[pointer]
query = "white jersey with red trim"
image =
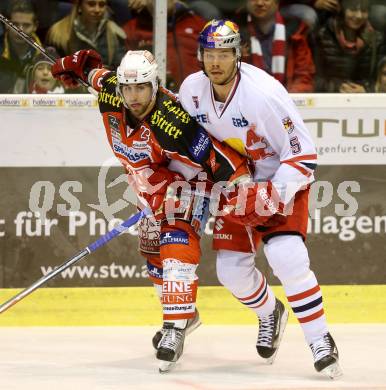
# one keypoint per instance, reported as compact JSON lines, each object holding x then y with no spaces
{"x":259,"y":120}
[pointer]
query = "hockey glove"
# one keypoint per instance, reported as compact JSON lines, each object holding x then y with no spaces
{"x":254,"y":204}
{"x":78,"y":65}
{"x":155,"y":189}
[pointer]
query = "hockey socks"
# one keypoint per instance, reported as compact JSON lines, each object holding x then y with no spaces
{"x":306,"y":302}
{"x":261,"y":299}
{"x":179,"y":291}
{"x":237,"y":272}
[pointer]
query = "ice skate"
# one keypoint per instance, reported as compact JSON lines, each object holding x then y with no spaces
{"x":170,"y":347}
{"x":271,"y":329}
{"x":193,"y":323}
{"x":326,"y":357}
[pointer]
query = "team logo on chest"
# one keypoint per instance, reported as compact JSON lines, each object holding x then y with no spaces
{"x":288,"y":125}
{"x":257,"y":147}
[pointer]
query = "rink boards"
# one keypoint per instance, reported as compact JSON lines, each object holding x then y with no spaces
{"x":115,"y":306}
{"x":55,"y":160}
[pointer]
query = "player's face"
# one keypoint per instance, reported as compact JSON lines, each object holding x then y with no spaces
{"x":262,"y":9}
{"x":137,"y":97}
{"x":43,"y":77}
{"x":26,"y":22}
{"x":92,"y":11}
{"x":355,"y":18}
{"x":219,"y":64}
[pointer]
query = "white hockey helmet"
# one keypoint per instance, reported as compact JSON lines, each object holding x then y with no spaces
{"x":137,"y":67}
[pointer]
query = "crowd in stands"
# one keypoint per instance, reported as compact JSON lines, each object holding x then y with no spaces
{"x":308,"y":45}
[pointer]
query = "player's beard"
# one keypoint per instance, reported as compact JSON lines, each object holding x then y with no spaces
{"x":229,"y":78}
{"x":144,"y":109}
{"x":138,"y":111}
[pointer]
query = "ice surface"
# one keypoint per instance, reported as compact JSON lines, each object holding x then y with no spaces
{"x":216,"y":357}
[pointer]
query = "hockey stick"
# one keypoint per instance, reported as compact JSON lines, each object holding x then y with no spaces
{"x":33,"y":43}
{"x":79,"y":256}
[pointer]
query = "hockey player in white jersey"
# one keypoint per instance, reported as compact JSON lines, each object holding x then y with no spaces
{"x":253,"y":113}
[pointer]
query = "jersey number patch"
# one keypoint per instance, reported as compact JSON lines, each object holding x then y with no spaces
{"x":295,"y":145}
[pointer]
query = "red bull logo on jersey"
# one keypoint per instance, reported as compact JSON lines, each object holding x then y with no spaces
{"x":257,"y":147}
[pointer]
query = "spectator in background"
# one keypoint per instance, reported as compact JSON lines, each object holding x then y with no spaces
{"x":377,"y":15}
{"x":47,"y":12}
{"x":183,"y":29}
{"x":205,"y":9}
{"x":16,"y":53}
{"x":227,"y":7}
{"x":380,"y":84}
{"x":276,"y":44}
{"x":311,"y":12}
{"x":348,"y":50}
{"x":88,"y":26}
{"x":39,"y":77}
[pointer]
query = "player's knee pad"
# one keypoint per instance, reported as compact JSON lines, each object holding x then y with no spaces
{"x":236,"y":270}
{"x":179,"y":289}
{"x":288,"y":257}
{"x":180,"y":242}
{"x":177,"y":270}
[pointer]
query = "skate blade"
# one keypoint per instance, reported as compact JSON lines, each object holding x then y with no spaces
{"x":333,"y":371}
{"x":283,"y":323}
{"x":165,"y":366}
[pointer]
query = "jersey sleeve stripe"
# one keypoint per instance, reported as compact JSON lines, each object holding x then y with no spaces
{"x":96,"y":78}
{"x":302,"y":170}
{"x":302,"y":158}
{"x":309,"y":165}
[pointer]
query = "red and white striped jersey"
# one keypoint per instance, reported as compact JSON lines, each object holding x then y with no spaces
{"x":259,"y":120}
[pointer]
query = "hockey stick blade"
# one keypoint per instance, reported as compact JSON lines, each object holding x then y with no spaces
{"x":79,"y":256}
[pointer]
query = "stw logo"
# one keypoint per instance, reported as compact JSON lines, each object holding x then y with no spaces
{"x":257,"y":147}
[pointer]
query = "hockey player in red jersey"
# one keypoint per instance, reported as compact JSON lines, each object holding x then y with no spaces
{"x":158,"y":143}
{"x":246,"y":108}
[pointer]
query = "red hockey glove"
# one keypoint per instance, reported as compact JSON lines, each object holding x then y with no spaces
{"x":254,"y":204}
{"x":78,"y":65}
{"x":156,"y":188}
